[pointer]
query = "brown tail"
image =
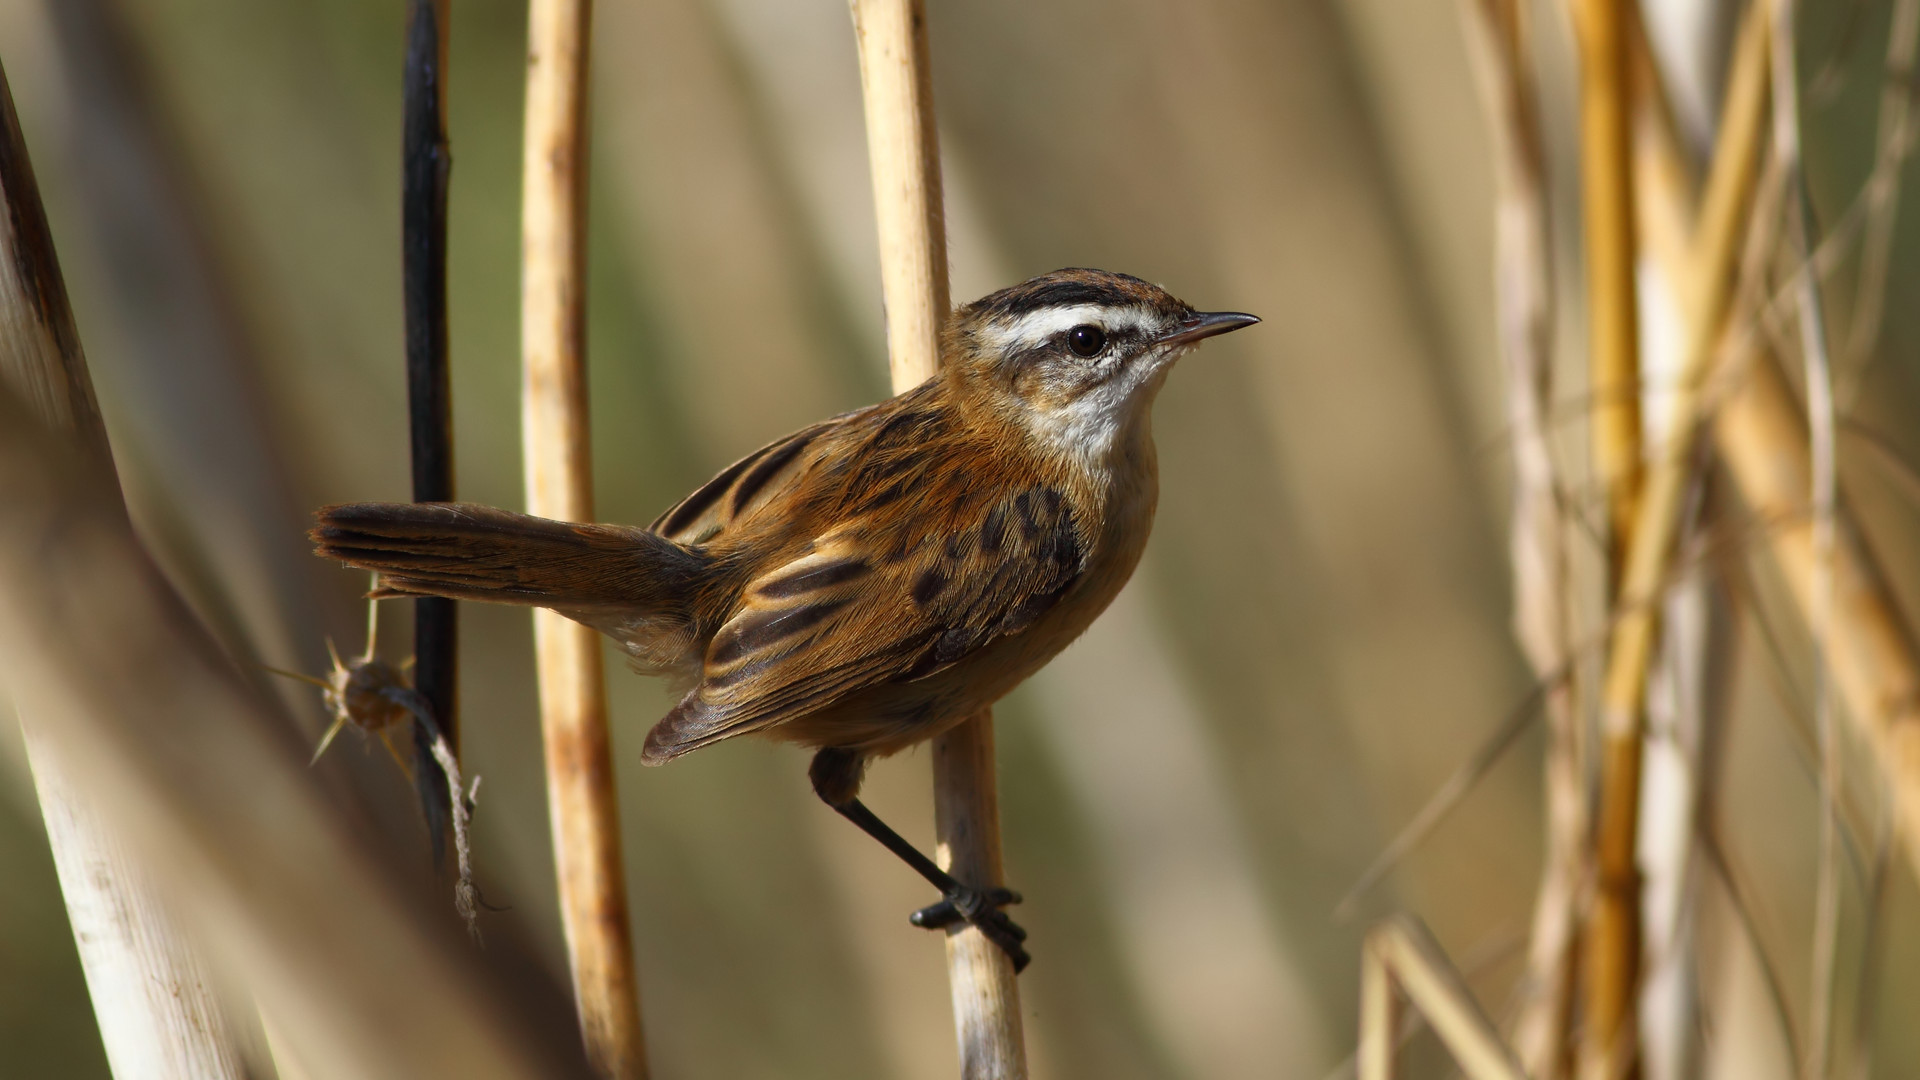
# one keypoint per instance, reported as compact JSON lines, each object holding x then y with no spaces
{"x":471,"y":552}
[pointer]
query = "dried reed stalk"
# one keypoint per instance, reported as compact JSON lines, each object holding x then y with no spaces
{"x":559,"y":476}
{"x":184,"y":763}
{"x":1401,"y":955}
{"x":1760,"y":432}
{"x":1613,"y":940}
{"x":1864,"y":645}
{"x":902,"y":141}
{"x":1613,"y":325}
{"x":1523,"y":272}
{"x":156,"y":1012}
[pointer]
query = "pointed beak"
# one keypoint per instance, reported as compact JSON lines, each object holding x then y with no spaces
{"x":1205,"y":324}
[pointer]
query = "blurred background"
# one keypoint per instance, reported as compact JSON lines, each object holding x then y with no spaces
{"x":1317,"y":638}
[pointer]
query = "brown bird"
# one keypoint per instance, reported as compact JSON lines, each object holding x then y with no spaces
{"x":868,"y":582}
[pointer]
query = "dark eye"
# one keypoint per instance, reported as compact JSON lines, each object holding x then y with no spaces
{"x":1086,"y":340}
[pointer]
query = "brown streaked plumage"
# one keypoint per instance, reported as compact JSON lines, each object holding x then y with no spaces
{"x":867,"y":582}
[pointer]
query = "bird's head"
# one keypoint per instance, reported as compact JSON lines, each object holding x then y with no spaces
{"x":1077,"y":355}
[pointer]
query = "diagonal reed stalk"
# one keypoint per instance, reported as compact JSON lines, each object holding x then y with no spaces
{"x":903,"y":144}
{"x":185,"y":765}
{"x":151,"y":998}
{"x":1400,"y":955}
{"x":1613,"y":943}
{"x":559,"y":480}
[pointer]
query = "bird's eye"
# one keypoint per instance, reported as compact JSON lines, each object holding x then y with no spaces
{"x":1086,"y":340}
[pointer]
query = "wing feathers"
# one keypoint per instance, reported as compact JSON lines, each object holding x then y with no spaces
{"x":834,"y":622}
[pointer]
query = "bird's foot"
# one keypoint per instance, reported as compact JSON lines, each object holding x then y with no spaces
{"x":981,"y":908}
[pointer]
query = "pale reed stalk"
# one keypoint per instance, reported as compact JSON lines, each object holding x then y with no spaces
{"x":157,"y":1015}
{"x":557,"y":447}
{"x":904,"y":148}
{"x":1498,"y":32}
{"x":1686,"y":698}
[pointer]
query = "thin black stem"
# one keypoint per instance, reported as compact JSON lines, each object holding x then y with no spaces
{"x":425,"y":164}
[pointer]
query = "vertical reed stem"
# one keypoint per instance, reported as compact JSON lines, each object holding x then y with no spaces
{"x":559,"y":476}
{"x":1613,"y":333}
{"x":896,"y":81}
{"x":156,"y":1013}
{"x":1613,"y":326}
{"x":425,"y":163}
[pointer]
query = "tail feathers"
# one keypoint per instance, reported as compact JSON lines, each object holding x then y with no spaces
{"x":471,"y":552}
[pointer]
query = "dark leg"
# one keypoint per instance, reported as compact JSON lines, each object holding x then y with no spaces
{"x":836,"y":777}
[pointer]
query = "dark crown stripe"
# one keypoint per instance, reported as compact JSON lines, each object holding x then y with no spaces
{"x":1065,"y":288}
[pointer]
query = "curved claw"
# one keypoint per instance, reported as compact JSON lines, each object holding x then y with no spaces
{"x":982,"y":909}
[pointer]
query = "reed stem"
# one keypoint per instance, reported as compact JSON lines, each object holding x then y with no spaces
{"x":903,"y":144}
{"x":557,"y":445}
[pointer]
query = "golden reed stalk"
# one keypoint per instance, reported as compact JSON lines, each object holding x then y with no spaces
{"x":1613,"y":336}
{"x":559,"y":474}
{"x":904,"y":148}
{"x":1613,"y":324}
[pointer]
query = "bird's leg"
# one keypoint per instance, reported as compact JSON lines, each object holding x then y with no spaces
{"x":836,"y":779}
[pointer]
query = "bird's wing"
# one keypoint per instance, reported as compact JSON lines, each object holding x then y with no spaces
{"x":745,"y":486}
{"x":887,"y":597}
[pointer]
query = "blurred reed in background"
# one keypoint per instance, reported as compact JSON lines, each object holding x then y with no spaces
{"x":1319,"y":634}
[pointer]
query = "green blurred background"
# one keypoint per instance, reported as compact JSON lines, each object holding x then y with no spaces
{"x":1318,"y":635}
